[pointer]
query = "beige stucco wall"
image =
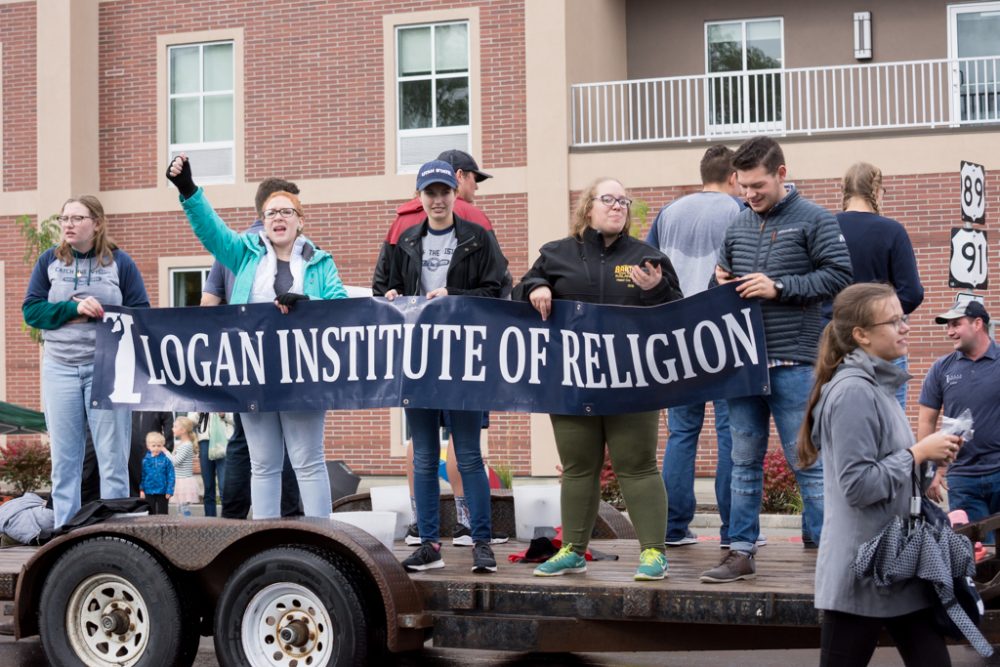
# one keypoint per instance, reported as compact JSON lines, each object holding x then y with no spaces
{"x":596,"y":40}
{"x":663,"y":41}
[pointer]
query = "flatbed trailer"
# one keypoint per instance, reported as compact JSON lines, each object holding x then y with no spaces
{"x":142,"y":591}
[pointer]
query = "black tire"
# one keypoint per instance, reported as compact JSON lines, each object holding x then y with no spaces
{"x":309,"y":598}
{"x":110,"y":580}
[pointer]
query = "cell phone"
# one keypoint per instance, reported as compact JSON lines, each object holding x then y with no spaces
{"x":655,"y":261}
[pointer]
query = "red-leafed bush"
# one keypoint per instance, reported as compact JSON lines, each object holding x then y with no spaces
{"x":781,"y":491}
{"x":611,"y":490}
{"x":25,"y":465}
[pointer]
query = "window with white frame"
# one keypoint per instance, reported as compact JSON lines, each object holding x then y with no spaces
{"x":186,"y":286}
{"x":200,"y":110}
{"x":744,"y":60}
{"x":432,"y":91}
{"x":974,"y":47}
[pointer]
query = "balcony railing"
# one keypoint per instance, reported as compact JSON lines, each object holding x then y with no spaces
{"x":785,"y":102}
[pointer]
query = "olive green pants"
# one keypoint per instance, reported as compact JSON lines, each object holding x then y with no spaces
{"x":631,"y":441}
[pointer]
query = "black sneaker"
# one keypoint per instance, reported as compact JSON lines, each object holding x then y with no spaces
{"x":462,"y":536}
{"x":412,"y":536}
{"x":482,"y":558}
{"x":499,"y":538}
{"x":424,"y":558}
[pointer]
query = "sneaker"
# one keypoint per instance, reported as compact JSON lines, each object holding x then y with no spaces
{"x":462,"y":536}
{"x":482,"y":558}
{"x":689,"y":538}
{"x":424,"y":558}
{"x":761,"y":542}
{"x":652,"y":565}
{"x":412,"y":538}
{"x":499,"y":538}
{"x":735,"y":565}
{"x":566,"y":561}
{"x":809,"y":543}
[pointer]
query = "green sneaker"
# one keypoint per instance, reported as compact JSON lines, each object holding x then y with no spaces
{"x":652,"y":565}
{"x":566,"y":561}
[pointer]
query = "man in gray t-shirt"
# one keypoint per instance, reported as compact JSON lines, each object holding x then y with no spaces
{"x":689,"y":231}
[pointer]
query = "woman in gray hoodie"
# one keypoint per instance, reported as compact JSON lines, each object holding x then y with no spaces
{"x":869,"y":456}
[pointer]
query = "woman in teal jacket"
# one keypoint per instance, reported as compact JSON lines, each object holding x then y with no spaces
{"x":282,"y":266}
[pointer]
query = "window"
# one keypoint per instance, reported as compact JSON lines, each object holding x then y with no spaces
{"x":974,"y":45}
{"x":201,"y":117}
{"x":186,"y":285}
{"x":432,"y":91}
{"x":744,"y":60}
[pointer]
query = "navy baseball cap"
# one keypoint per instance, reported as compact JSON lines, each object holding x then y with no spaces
{"x":436,"y":171}
{"x":462,"y":160}
{"x":971,"y":308}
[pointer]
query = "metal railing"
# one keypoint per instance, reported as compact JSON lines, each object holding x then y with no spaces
{"x":780,"y":102}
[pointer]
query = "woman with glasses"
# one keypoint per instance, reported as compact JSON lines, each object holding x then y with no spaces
{"x":880,"y":248}
{"x":869,"y":455}
{"x":69,"y":287}
{"x":280,"y":266}
{"x":446,"y":255}
{"x":601,"y":263}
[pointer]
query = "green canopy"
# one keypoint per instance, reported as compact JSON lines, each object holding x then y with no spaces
{"x":15,"y":420}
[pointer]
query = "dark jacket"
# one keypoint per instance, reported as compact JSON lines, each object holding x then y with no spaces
{"x":476,"y":268}
{"x":800,"y":244}
{"x":411,"y":214}
{"x":583,"y":269}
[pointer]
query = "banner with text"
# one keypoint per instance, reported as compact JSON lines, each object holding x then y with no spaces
{"x":462,"y":353}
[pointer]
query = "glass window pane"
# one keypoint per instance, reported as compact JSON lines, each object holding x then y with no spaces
{"x":219,"y":118}
{"x":453,"y":101}
{"x":725,"y":47}
{"x":451,"y":46}
{"x":187,"y":288}
{"x":978,"y":34}
{"x":414,"y":51}
{"x":763,"y":44}
{"x":218,"y":67}
{"x":415,"y":105}
{"x":184,"y":70}
{"x":184,"y":125}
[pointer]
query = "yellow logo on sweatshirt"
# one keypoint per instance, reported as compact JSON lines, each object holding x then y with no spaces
{"x":623,"y":273}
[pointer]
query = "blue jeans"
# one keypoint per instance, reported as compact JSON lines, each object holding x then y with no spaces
{"x":749,"y":421}
{"x":236,"y":486}
{"x":685,"y":423}
{"x":904,"y":363}
{"x":465,"y":430}
{"x":209,"y":471}
{"x":978,"y":495}
{"x":66,"y":401}
{"x":267,"y":434}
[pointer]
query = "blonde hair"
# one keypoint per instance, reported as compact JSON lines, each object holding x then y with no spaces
{"x":581,"y":215}
{"x":188,"y":426}
{"x":155,"y":438}
{"x":862,"y":180}
{"x":103,"y":245}
{"x":853,"y":307}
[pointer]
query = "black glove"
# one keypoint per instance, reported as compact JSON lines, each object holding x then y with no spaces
{"x":184,"y":180}
{"x":289,"y":299}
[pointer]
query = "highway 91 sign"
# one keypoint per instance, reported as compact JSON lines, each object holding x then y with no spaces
{"x":973,"y":177}
{"x":969,"y":255}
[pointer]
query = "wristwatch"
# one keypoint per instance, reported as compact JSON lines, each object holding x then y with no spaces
{"x":779,"y":286}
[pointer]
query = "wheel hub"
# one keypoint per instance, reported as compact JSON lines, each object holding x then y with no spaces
{"x":286,"y":624}
{"x":107,"y":621}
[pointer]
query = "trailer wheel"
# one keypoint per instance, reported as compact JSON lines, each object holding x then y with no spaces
{"x":109,"y":602}
{"x":290,"y":607}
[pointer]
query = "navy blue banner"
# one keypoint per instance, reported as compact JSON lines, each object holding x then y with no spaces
{"x":452,"y":352}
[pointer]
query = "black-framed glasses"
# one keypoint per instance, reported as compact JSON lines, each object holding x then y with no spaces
{"x":611,"y":200}
{"x":896,"y":322}
{"x":280,"y":213}
{"x":75,"y":219}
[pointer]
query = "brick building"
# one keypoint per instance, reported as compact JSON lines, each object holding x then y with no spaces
{"x":347,"y":97}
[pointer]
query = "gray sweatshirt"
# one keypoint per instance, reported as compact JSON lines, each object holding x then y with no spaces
{"x":863,"y":436}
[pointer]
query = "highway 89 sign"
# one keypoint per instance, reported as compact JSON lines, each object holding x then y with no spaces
{"x":969,"y":256}
{"x":973,"y":177}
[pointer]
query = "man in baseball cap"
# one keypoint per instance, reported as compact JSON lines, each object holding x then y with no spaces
{"x":967,"y":378}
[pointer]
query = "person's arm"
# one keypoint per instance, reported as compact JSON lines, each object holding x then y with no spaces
{"x":668,"y":288}
{"x":130,"y":282}
{"x":537,"y":276}
{"x":333,"y":286}
{"x":903,"y":273}
{"x":491,"y":270}
{"x":213,"y":292}
{"x":38,"y":312}
{"x":171,"y":478}
{"x":380,"y":278}
{"x":831,"y":264}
